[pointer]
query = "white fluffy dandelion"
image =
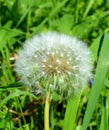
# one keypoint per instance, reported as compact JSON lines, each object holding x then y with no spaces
{"x":54,"y":62}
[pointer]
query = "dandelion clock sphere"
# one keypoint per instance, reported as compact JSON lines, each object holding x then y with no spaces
{"x":53,"y":62}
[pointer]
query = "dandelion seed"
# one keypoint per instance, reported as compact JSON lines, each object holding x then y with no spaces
{"x":51,"y":57}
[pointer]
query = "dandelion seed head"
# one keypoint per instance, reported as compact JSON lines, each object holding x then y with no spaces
{"x":55,"y":62}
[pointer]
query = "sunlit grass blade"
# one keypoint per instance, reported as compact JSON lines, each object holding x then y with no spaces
{"x":71,"y":112}
{"x":90,"y":4}
{"x":99,"y":79}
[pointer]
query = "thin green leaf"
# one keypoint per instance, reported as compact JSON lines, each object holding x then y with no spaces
{"x":99,"y":79}
{"x":17,"y":93}
{"x":71,"y":111}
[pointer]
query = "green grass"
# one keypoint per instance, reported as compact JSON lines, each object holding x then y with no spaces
{"x":99,"y":82}
{"x":87,"y":20}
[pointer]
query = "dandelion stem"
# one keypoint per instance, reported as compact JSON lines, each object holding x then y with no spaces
{"x":46,"y":113}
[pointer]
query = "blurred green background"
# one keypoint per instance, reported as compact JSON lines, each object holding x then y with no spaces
{"x":20,"y":20}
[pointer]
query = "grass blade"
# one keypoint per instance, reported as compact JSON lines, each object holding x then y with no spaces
{"x":71,"y":111}
{"x":16,"y":94}
{"x":99,"y":79}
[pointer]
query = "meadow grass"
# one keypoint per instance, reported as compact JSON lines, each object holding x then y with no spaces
{"x":20,"y":20}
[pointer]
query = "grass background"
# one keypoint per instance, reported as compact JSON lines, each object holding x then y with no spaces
{"x":20,"y":20}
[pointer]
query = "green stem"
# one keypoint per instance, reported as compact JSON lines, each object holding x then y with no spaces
{"x":46,"y":112}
